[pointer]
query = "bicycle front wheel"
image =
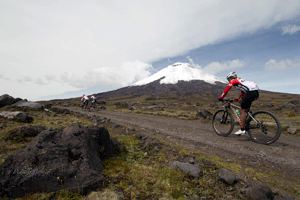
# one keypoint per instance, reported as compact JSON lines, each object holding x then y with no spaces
{"x":264,"y":128}
{"x":223,"y":123}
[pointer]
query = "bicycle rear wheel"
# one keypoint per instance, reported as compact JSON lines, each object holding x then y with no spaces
{"x":223,"y":122}
{"x":265,"y":128}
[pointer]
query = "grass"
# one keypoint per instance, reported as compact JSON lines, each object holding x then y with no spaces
{"x":132,"y":173}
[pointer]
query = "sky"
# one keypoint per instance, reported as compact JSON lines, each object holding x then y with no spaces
{"x":62,"y":49}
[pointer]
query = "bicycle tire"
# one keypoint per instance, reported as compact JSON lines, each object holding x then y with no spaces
{"x":266,"y":132}
{"x":223,"y":123}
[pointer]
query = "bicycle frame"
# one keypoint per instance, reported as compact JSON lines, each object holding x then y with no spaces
{"x":233,"y":107}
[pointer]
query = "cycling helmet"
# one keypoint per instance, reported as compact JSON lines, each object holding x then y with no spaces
{"x":231,"y":75}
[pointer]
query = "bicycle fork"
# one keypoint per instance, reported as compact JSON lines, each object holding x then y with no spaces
{"x":224,"y":118}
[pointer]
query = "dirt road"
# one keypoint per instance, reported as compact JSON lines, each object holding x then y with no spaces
{"x":282,"y":156}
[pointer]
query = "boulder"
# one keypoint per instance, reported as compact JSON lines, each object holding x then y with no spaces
{"x":61,"y":110}
{"x":203,"y":113}
{"x":187,"y":168}
{"x":132,"y":108}
{"x":28,"y":105}
{"x":294,"y":102}
{"x":153,"y":108}
{"x":268,"y":105}
{"x":9,"y":114}
{"x":292,"y":130}
{"x":68,"y":159}
{"x":17,"y":116}
{"x":23,"y":133}
{"x":259,"y":192}
{"x":23,"y":117}
{"x":6,"y":100}
{"x":227,"y":176}
{"x":288,"y":105}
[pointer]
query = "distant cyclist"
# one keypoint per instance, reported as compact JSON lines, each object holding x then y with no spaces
{"x":85,"y":101}
{"x":249,"y":93}
{"x":93,"y":100}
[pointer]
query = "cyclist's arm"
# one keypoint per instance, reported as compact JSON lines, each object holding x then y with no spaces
{"x":226,"y":90}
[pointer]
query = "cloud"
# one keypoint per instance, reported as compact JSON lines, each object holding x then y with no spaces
{"x":50,"y":78}
{"x":121,"y":76}
{"x":192,"y":63}
{"x":25,"y":79}
{"x":273,"y":65}
{"x":290,"y":29}
{"x":4,"y":78}
{"x":93,"y":41}
{"x":215,"y":67}
{"x":40,"y":81}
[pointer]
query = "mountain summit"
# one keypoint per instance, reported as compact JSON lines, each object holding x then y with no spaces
{"x":179,"y":72}
{"x":179,"y":79}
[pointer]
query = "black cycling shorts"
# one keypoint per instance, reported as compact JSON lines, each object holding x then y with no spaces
{"x":248,"y":98}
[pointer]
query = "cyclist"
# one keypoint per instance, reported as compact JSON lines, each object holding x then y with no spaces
{"x":249,"y":93}
{"x":93,"y":100}
{"x":85,"y":100}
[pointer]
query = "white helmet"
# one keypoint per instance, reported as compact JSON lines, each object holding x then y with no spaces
{"x":231,"y":75}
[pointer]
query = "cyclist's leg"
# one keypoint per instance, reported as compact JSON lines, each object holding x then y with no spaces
{"x":86,"y":104}
{"x":249,"y":97}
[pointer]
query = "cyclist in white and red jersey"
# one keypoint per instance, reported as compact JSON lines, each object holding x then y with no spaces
{"x":249,"y":93}
{"x":85,"y":100}
{"x":93,"y":100}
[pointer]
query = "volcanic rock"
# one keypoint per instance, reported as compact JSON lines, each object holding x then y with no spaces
{"x":17,"y":116}
{"x":259,"y":192}
{"x":6,"y":100}
{"x":28,"y":105}
{"x":54,"y":160}
{"x":187,"y":168}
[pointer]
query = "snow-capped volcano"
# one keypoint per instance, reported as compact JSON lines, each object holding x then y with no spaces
{"x":179,"y":72}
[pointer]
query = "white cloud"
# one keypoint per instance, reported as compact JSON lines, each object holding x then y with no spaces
{"x":193,"y":64}
{"x":4,"y":78}
{"x":216,"y":67}
{"x":75,"y":37}
{"x":121,"y":76}
{"x":40,"y":81}
{"x":50,"y":78}
{"x":25,"y":79}
{"x":290,"y":29}
{"x":273,"y":65}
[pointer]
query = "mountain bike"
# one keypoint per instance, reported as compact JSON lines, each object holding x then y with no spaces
{"x":262,"y":126}
{"x":85,"y":106}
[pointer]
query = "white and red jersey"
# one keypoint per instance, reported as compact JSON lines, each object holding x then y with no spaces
{"x":93,"y":98}
{"x":84,"y":98}
{"x":242,"y":85}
